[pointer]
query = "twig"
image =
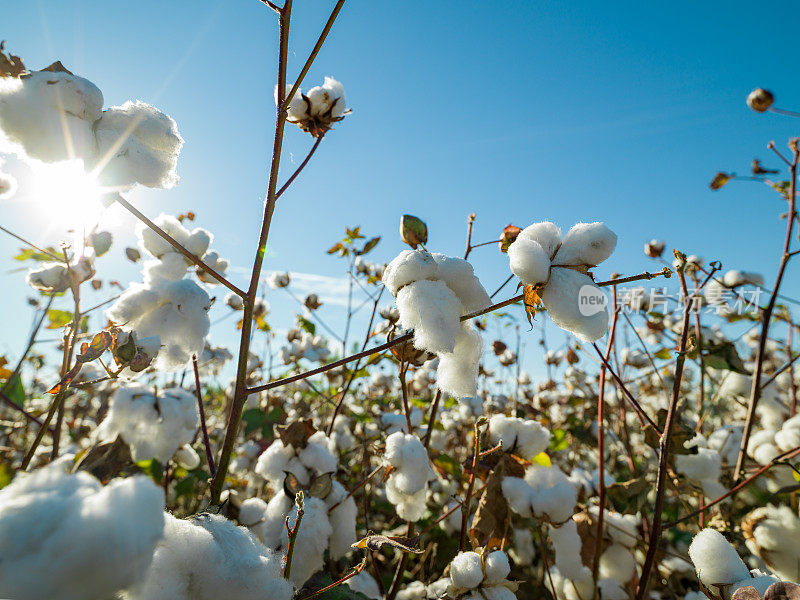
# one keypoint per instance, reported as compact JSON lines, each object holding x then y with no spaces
{"x":300,"y":168}
{"x":375,"y":471}
{"x":201,"y":410}
{"x":356,"y":570}
{"x":665,"y":445}
{"x":497,"y":291}
{"x":432,"y":418}
{"x":470,"y":223}
{"x":465,"y":509}
{"x":295,"y":529}
{"x":34,"y":246}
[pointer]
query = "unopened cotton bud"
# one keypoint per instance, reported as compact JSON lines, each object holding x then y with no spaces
{"x":654,"y":248}
{"x":760,"y":99}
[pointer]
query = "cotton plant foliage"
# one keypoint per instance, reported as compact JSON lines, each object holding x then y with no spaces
{"x":540,"y":257}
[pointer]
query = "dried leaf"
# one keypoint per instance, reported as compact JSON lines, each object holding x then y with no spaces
{"x":133,"y":254}
{"x":291,"y":485}
{"x":99,"y":344}
{"x":107,"y":460}
{"x":10,"y":65}
{"x":719,"y":180}
{"x":508,"y":237}
{"x":296,"y":434}
{"x":321,"y":485}
{"x":781,"y":590}
{"x":531,"y":300}
{"x":492,"y":517}
{"x":57,"y":67}
{"x":369,"y":246}
{"x":71,"y":374}
{"x":375,"y":542}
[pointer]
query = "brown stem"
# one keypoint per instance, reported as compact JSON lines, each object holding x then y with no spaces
{"x":755,"y":390}
{"x":665,"y":446}
{"x":289,"y":181}
{"x":287,"y":569}
{"x":470,"y":484}
{"x":470,"y":223}
{"x":356,"y":570}
{"x":34,"y":246}
{"x":432,"y":418}
{"x":201,"y":410}
{"x":792,"y":383}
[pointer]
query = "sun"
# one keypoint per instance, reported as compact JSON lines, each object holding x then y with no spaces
{"x":65,"y":194}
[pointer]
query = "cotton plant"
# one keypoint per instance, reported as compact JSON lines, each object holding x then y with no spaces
{"x":704,"y":467}
{"x":65,"y":535}
{"x":407,"y":484}
{"x":207,"y":557}
{"x":154,"y":423}
{"x":433,"y":291}
{"x":54,"y":278}
{"x":523,"y":437}
{"x":484,"y":576}
{"x":304,"y":456}
{"x":558,"y":268}
{"x":772,"y":532}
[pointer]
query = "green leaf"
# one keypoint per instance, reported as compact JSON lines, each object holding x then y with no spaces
{"x":254,"y":418}
{"x":559,"y":440}
{"x":306,"y":325}
{"x":725,"y":357}
{"x":32,"y":254}
{"x":58,"y":318}
{"x":15,"y":391}
{"x":6,"y":475}
{"x":153,"y":468}
{"x":664,"y":353}
{"x":369,"y":245}
{"x":185,"y":486}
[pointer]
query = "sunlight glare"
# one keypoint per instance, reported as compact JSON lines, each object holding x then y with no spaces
{"x":66,"y":195}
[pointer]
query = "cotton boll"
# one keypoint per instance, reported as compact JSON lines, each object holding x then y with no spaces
{"x":617,"y":563}
{"x":342,"y":520}
{"x":312,"y":539}
{"x":457,"y":373}
{"x":586,"y":244}
{"x":214,"y":262}
{"x":497,"y":592}
{"x":317,"y":455}
{"x":199,"y":241}
{"x":715,"y":559}
{"x":415,"y":590}
{"x":52,"y":278}
{"x":274,"y":461}
{"x":546,"y":234}
{"x":432,"y":310}
{"x":466,"y":571}
{"x":50,"y":115}
{"x":523,"y":551}
{"x":553,"y":493}
{"x":761,"y":582}
{"x":152,"y":243}
{"x":611,"y":590}
{"x":528,"y":261}
{"x":773,"y":533}
{"x":364,"y":583}
{"x":407,"y":454}
{"x":407,"y":267}
{"x":208,"y":557}
{"x":496,"y":568}
{"x":177,"y":311}
{"x":187,"y":457}
{"x":562,"y":296}
{"x":459,"y":276}
{"x":706,"y":464}
{"x":409,"y":507}
{"x":567,"y":545}
{"x":252,"y":511}
{"x":90,"y":541}
{"x":737,"y":278}
{"x":170,"y":267}
{"x":518,"y":493}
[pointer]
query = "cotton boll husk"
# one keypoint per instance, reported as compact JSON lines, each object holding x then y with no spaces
{"x":208,"y":557}
{"x":546,"y":234}
{"x":528,"y":261}
{"x":459,"y":276}
{"x":715,"y":559}
{"x":432,"y":310}
{"x":761,"y":582}
{"x":617,"y":563}
{"x":65,"y":536}
{"x":496,"y":568}
{"x":141,"y":144}
{"x":343,"y":521}
{"x":365,"y":584}
{"x":586,"y":244}
{"x":312,"y":539}
{"x":50,"y":115}
{"x":466,"y":571}
{"x":561,"y":298}
{"x":457,"y":373}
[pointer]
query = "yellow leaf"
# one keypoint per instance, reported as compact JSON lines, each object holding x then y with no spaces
{"x":542,"y":460}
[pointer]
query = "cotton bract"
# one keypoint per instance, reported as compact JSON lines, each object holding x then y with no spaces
{"x":540,"y":257}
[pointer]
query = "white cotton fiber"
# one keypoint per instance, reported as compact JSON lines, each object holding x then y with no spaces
{"x":457,"y":373}
{"x":208,"y":557}
{"x":529,"y":261}
{"x":252,"y":511}
{"x":65,"y":536}
{"x":317,"y":455}
{"x":432,"y":310}
{"x":407,"y":454}
{"x":50,"y":115}
{"x":364,"y":583}
{"x":561,"y":297}
{"x":407,"y":267}
{"x":759,"y":581}
{"x":567,"y":546}
{"x":546,"y":234}
{"x":466,"y":571}
{"x":342,"y":520}
{"x":154,"y":426}
{"x":459,"y":276}
{"x":496,"y":568}
{"x":153,"y":243}
{"x":177,"y":311}
{"x":525,"y":438}
{"x":553,"y":493}
{"x":138,"y":144}
{"x":617,"y":563}
{"x":737,"y":278}
{"x":274,"y":461}
{"x":518,"y":493}
{"x":170,"y":267}
{"x":586,"y":244}
{"x":706,"y":464}
{"x":409,"y":507}
{"x":715,"y":559}
{"x":199,"y":241}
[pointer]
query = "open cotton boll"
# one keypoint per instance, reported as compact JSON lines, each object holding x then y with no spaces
{"x":457,"y":373}
{"x":518,"y":493}
{"x":610,"y":589}
{"x":760,"y":581}
{"x":567,"y":546}
{"x":154,"y":426}
{"x":562,"y":296}
{"x":312,"y":539}
{"x":141,"y":145}
{"x":466,"y":571}
{"x":214,"y":262}
{"x":553,"y":492}
{"x":460,"y":277}
{"x":252,"y":511}
{"x":407,"y":454}
{"x":526,"y":438}
{"x":773,"y":533}
{"x":65,"y":536}
{"x":170,"y":267}
{"x":432,"y":310}
{"x":586,"y":244}
{"x":342,"y":520}
{"x":187,"y":457}
{"x":364,"y":583}
{"x":199,"y":241}
{"x":716,"y":560}
{"x":737,"y":278}
{"x":409,"y":507}
{"x":49,"y":115}
{"x":529,"y":261}
{"x":52,"y":278}
{"x":297,"y":108}
{"x":496,"y":568}
{"x":706,"y":464}
{"x":153,"y":243}
{"x":208,"y":557}
{"x":617,"y":563}
{"x":317,"y":454}
{"x":277,"y":459}
{"x":177,"y":311}
{"x":407,"y":267}
{"x":546,"y":234}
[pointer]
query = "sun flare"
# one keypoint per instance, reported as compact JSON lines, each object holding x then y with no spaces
{"x":66,"y":194}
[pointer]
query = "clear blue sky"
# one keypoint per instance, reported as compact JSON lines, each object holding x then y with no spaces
{"x":520,"y":111}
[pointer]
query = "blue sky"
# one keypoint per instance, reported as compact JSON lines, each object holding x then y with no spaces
{"x":518,"y":111}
